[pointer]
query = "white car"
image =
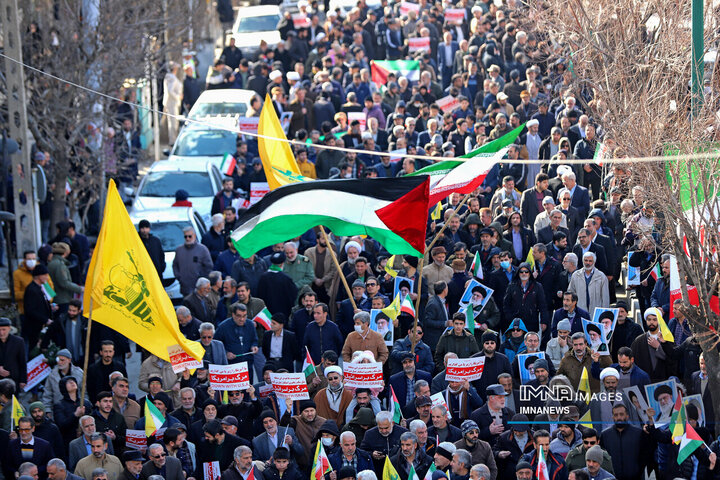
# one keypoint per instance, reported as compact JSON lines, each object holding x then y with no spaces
{"x":347,"y":5}
{"x":167,"y":225}
{"x":225,"y":101}
{"x":157,"y":189}
{"x":207,"y":141}
{"x":254,"y":24}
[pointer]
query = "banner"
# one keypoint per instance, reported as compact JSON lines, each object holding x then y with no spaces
{"x":419,"y":44}
{"x":438,"y":399}
{"x":211,"y":471}
{"x":363,"y":375}
{"x":406,"y":7}
{"x":455,"y":16}
{"x":300,"y":20}
{"x":230,"y":377}
{"x":37,"y":371}
{"x":257,"y":191}
{"x":448,"y":104}
{"x":135,"y":439}
{"x":264,"y":391}
{"x":360,"y":117}
{"x":460,"y":369}
{"x":290,"y":385}
{"x":397,"y":155}
{"x":181,"y":360}
{"x":248,"y":124}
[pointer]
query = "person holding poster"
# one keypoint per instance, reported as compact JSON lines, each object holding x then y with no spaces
{"x":245,"y":406}
{"x":457,"y":340}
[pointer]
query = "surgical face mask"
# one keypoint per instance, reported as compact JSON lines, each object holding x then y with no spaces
{"x":358,"y":328}
{"x":30,"y":264}
{"x":327,"y":441}
{"x":505,"y":264}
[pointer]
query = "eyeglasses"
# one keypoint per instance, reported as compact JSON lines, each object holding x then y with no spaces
{"x":332,"y":379}
{"x":371,"y":284}
{"x":589,"y":442}
{"x":24,"y":429}
{"x":188,"y":236}
{"x":233,"y":394}
{"x":524,"y":271}
{"x":160,"y":455}
{"x":205,"y":337}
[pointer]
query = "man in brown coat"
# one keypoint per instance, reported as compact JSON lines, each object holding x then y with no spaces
{"x":306,"y":426}
{"x":364,"y":339}
{"x":580,"y":356}
{"x":333,"y":401}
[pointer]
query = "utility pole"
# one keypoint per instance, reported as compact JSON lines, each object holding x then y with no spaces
{"x":698,"y":54}
{"x":27,"y":215}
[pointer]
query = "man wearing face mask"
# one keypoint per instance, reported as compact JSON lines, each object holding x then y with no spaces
{"x":22,"y":277}
{"x":333,"y":401}
{"x":364,"y":339}
{"x":480,"y":450}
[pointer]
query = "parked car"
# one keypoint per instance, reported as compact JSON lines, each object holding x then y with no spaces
{"x":255,"y":24}
{"x":221,"y":102}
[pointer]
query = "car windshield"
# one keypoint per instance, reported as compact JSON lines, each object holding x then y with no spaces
{"x":169,"y":233}
{"x":165,"y":184}
{"x":220,"y":109}
{"x":265,"y":23}
{"x":208,"y":143}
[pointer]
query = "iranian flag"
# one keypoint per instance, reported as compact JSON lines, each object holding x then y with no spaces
{"x":321,"y":463}
{"x":380,"y":69}
{"x":396,"y":410}
{"x":690,"y":442}
{"x":602,"y":152}
{"x":392,"y":211}
{"x":542,"y":472}
{"x":464,"y":176}
{"x":227,"y":167}
{"x":407,"y":306}
{"x":153,"y":419}
{"x":263,"y":318}
{"x":476,"y":267}
{"x":656,"y":272}
{"x":48,"y":291}
{"x":308,"y":367}
{"x":470,"y":318}
{"x":428,"y":475}
{"x":412,"y":475}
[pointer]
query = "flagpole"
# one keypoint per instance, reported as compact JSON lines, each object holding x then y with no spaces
{"x":337,"y":266}
{"x":87,"y":355}
{"x":437,"y":236}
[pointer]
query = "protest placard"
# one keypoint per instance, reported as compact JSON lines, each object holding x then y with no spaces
{"x":37,"y":371}
{"x":181,"y":360}
{"x":438,"y":399}
{"x":290,"y":385}
{"x":135,"y":439}
{"x":460,"y":369}
{"x":300,"y":20}
{"x":248,"y":124}
{"x":257,"y":191}
{"x":448,"y":103}
{"x":454,"y":16}
{"x":419,"y":44}
{"x":229,"y":377}
{"x":363,"y":375}
{"x":211,"y":471}
{"x":406,"y":7}
{"x":264,"y":391}
{"x":360,"y":117}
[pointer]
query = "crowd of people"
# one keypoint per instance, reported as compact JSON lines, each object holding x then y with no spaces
{"x":535,"y":250}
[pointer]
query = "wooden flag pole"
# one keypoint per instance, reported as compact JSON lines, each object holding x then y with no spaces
{"x":337,"y":266}
{"x":87,"y":356}
{"x":437,"y":236}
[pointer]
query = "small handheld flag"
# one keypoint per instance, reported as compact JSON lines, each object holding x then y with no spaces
{"x":690,"y":442}
{"x":407,"y":306}
{"x":17,"y":411}
{"x":542,"y":472}
{"x":470,"y":319}
{"x":678,"y":420}
{"x":388,"y":267}
{"x":227,"y":167}
{"x":437,"y":212}
{"x":530,"y":259}
{"x":321,"y":463}
{"x":397,"y":411}
{"x":389,"y":472}
{"x":263,"y":318}
{"x":308,"y":365}
{"x":476,"y":268}
{"x":656,"y":272}
{"x":153,"y":419}
{"x":584,"y":385}
{"x":48,"y":291}
{"x":393,"y":310}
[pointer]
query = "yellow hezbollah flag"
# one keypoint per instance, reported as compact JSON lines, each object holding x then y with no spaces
{"x":123,"y":289}
{"x":389,"y":472}
{"x":584,"y":385}
{"x":531,"y":260}
{"x":17,"y":411}
{"x":276,"y":155}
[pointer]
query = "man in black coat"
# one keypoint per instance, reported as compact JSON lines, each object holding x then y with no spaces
{"x":531,"y":200}
{"x":626,"y":444}
{"x":485,"y":415}
{"x":170,"y":468}
{"x":13,"y":361}
{"x":98,"y":374}
{"x":245,"y":410}
{"x":197,"y":301}
{"x":46,"y":428}
{"x":585,"y":244}
{"x":507,"y":449}
{"x":133,"y":461}
{"x":382,"y":440}
{"x":153,"y":246}
{"x":276,"y":288}
{"x":42,"y":451}
{"x":547,"y":273}
{"x":218,"y":446}
{"x":38,"y":311}
{"x":495,"y":363}
{"x":280,"y":345}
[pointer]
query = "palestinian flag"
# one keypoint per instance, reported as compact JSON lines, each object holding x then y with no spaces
{"x":407,"y":306}
{"x":678,"y":420}
{"x":584,"y":385}
{"x":227,"y":167}
{"x":470,"y":319}
{"x":48,"y":291}
{"x":263,"y":318}
{"x":464,"y":176}
{"x":392,"y":211}
{"x":153,"y":419}
{"x":542,"y":472}
{"x":321,"y":463}
{"x":396,"y":410}
{"x":380,"y":69}
{"x":308,"y":367}
{"x":656,"y":272}
{"x":690,"y":442}
{"x":476,"y":268}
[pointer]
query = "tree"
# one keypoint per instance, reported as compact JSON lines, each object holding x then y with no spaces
{"x":630,"y":66}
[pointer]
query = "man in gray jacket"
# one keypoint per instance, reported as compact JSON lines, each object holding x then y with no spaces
{"x":192,"y":261}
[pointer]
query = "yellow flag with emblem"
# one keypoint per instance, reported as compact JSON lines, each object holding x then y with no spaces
{"x":277,"y":157}
{"x":17,"y":411}
{"x":584,"y":385}
{"x":124,"y":291}
{"x":389,"y":472}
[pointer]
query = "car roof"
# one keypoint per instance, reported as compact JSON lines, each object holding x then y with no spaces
{"x":226,"y":95}
{"x":260,"y":11}
{"x":163,"y":215}
{"x":180,"y":164}
{"x":211,"y":123}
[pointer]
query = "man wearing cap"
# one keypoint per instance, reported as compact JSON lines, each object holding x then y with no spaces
{"x":265,"y":444}
{"x":152,"y":245}
{"x":46,"y":429}
{"x":558,"y":346}
{"x":364,"y":339}
{"x":593,"y":459}
{"x":437,"y":270}
{"x":524,"y":471}
{"x":64,"y":368}
{"x":423,"y":355}
{"x":444,"y":455}
{"x":479,"y":449}
{"x":245,"y":410}
{"x":157,"y":374}
{"x":403,"y":382}
{"x":333,"y":400}
{"x":492,"y":418}
{"x":38,"y":311}
{"x":276,"y":288}
{"x":133,"y":461}
{"x":457,"y":340}
{"x":346,"y":312}
{"x":13,"y":361}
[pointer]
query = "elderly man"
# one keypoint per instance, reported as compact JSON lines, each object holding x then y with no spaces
{"x":57,"y":470}
{"x":192,"y":261}
{"x":170,"y":468}
{"x":590,"y":284}
{"x":383,"y":440}
{"x":333,"y":400}
{"x":215,"y":353}
{"x":264,"y":445}
{"x":242,"y":466}
{"x":410,"y":457}
{"x":197,"y":302}
{"x":480,"y":451}
{"x":493,"y":417}
{"x":51,"y":394}
{"x":437,"y":271}
{"x":364,"y":339}
{"x":133,"y":460}
{"x":297,"y":267}
{"x":461,"y":464}
{"x":189,"y":325}
{"x":441,"y":429}
{"x":99,"y":458}
{"x":350,"y":455}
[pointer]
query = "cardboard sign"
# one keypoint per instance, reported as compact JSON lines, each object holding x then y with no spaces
{"x":248,"y":124}
{"x":135,"y":439}
{"x":360,"y":117}
{"x":211,"y":471}
{"x":37,"y":371}
{"x":406,"y":7}
{"x":438,"y":399}
{"x":264,"y":391}
{"x":290,"y":385}
{"x":229,"y":377}
{"x":448,"y":104}
{"x":257,"y":191}
{"x":363,"y":375}
{"x":397,"y":155}
{"x":460,"y":369}
{"x":454,"y":16}
{"x":181,"y":360}
{"x":300,"y":20}
{"x":419,"y":44}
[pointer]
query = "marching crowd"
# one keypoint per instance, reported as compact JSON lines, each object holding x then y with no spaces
{"x":533,"y":252}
